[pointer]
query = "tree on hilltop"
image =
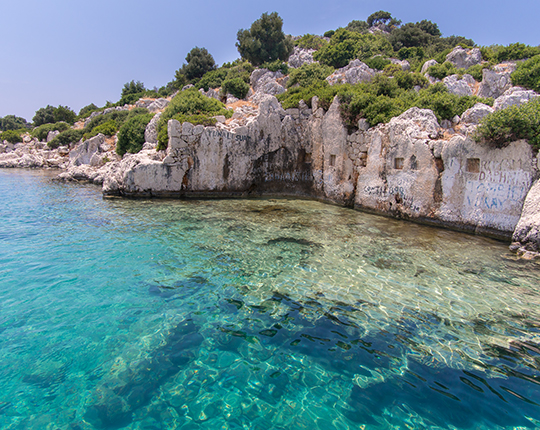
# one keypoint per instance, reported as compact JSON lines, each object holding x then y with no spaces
{"x":265,"y":41}
{"x":199,"y":61}
{"x":382,"y":17}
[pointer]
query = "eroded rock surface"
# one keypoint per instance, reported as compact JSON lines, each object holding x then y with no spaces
{"x":526,"y":236}
{"x":354,"y":73}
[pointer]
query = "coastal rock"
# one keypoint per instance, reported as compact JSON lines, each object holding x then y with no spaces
{"x":460,"y":87}
{"x":264,"y":82}
{"x":354,"y":73}
{"x":400,"y":175}
{"x":211,"y":93}
{"x":427,"y":65}
{"x":484,"y":187}
{"x":158,"y":105}
{"x":527,"y":232}
{"x":150,"y":133}
{"x":301,"y":56}
{"x":475,"y":114}
{"x":494,"y":83}
{"x":84,"y":152}
{"x":52,"y":134}
{"x":515,"y":96}
{"x":464,"y":58}
{"x":404,"y":64}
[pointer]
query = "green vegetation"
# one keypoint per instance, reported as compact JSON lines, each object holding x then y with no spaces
{"x":516,"y":122}
{"x":131,"y":134}
{"x":66,"y":137}
{"x":12,"y":122}
{"x":235,"y":86}
{"x":382,"y":99}
{"x":86,"y":111}
{"x":275,"y":66}
{"x":308,"y":74}
{"x":347,"y":45}
{"x":12,"y":136}
{"x":311,"y":41}
{"x":199,"y":62}
{"x":527,"y":74}
{"x":229,"y":71}
{"x":42,"y":131}
{"x":189,"y":102}
{"x":50,"y":114}
{"x":265,"y":41}
{"x":109,"y":123}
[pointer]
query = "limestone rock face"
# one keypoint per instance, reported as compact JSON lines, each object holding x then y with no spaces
{"x":494,"y":83}
{"x":158,"y":105}
{"x":475,"y":114}
{"x":52,"y":134}
{"x":150,"y":133}
{"x":401,"y":174}
{"x":427,"y":65}
{"x":485,"y":187}
{"x":300,"y":56}
{"x":515,"y":96}
{"x":463,"y":58}
{"x":527,"y":232}
{"x":460,"y":87}
{"x":404,"y":64}
{"x":84,"y":152}
{"x":354,"y":73}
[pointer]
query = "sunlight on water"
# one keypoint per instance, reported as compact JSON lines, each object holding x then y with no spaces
{"x":256,"y":314}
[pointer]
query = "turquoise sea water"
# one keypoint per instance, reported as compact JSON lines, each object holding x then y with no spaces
{"x":255,"y":314}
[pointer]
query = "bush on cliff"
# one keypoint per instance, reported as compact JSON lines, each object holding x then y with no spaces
{"x":119,"y":117}
{"x":67,"y":137}
{"x":12,"y":136}
{"x":516,"y":122}
{"x":51,"y":114}
{"x":188,"y":102}
{"x":131,"y":134}
{"x":42,"y":131}
{"x":347,"y":45}
{"x":326,"y":93}
{"x":12,"y":122}
{"x":309,"y":74}
{"x":108,"y":128}
{"x":264,"y":41}
{"x":235,"y":86}
{"x":311,"y":41}
{"x":527,"y":74}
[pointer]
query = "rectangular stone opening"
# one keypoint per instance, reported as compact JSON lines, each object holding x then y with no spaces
{"x":398,"y":163}
{"x":332,"y":160}
{"x":473,"y":165}
{"x":307,"y":158}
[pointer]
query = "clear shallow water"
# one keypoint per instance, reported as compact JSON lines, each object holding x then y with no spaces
{"x":259,"y":314}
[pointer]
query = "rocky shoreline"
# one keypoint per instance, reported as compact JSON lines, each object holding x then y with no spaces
{"x":410,"y":168}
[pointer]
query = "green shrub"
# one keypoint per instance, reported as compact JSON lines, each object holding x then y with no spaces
{"x":199,"y":61}
{"x":131,"y":134}
{"x":516,"y":122}
{"x":42,"y":131}
{"x":12,"y":122}
{"x":516,"y":51}
{"x":378,"y":62}
{"x":188,"y":102}
{"x":264,"y":41}
{"x":108,"y":128}
{"x":346,"y":45}
{"x":51,"y":114}
{"x":309,"y":74}
{"x":329,"y":33}
{"x":235,"y":86}
{"x":12,"y":136}
{"x":275,"y":66}
{"x":129,"y":99}
{"x":86,"y":111}
{"x":213,"y":79}
{"x":326,"y":93}
{"x":410,"y":53}
{"x":66,"y":137}
{"x":311,"y":41}
{"x":408,"y":81}
{"x":476,"y":71}
{"x":527,"y":74}
{"x":441,"y":71}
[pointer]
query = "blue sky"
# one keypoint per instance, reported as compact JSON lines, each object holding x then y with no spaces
{"x":74,"y":53}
